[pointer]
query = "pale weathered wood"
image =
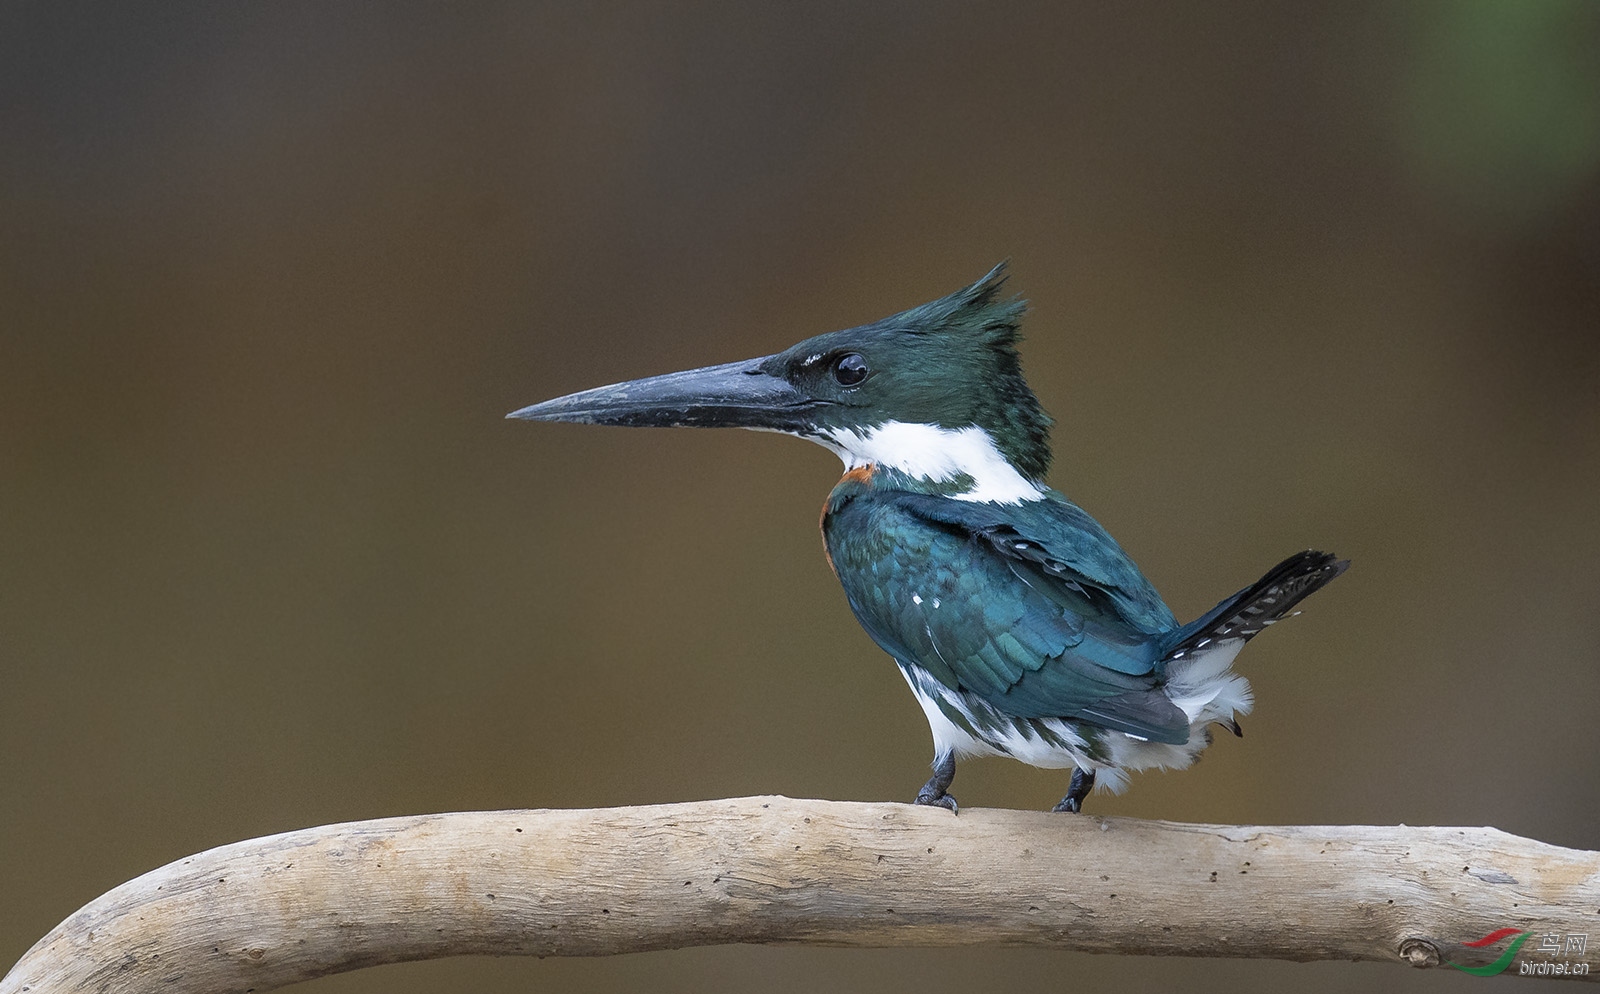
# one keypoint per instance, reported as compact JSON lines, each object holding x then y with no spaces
{"x":256,"y":915}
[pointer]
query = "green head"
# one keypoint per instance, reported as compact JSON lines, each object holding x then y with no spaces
{"x":935,"y":391}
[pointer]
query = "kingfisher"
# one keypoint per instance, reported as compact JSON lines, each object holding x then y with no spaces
{"x":1020,"y":625}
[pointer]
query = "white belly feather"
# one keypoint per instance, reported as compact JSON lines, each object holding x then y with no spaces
{"x":1202,"y":685}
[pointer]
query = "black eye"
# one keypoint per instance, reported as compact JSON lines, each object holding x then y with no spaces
{"x":849,"y":369}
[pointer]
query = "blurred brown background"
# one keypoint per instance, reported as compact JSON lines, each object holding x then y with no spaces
{"x":271,"y":275}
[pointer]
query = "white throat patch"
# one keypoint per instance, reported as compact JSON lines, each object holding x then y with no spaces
{"x":937,"y":454}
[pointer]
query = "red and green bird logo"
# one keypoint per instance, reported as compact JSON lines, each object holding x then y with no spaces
{"x":1499,"y":965}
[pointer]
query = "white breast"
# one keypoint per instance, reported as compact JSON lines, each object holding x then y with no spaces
{"x":937,"y":454}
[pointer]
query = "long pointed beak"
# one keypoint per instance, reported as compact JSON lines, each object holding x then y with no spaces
{"x":733,"y":395}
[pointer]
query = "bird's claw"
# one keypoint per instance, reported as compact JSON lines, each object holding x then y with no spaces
{"x":1082,"y":783}
{"x":935,"y":793}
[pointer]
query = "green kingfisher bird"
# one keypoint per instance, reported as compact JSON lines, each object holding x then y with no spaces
{"x":1020,"y":625}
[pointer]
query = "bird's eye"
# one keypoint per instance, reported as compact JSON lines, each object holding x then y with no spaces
{"x":850,"y":369}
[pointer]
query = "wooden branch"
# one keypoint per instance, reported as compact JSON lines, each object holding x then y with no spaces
{"x":256,"y":915}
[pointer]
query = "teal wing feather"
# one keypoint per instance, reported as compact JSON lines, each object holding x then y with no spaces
{"x":1032,"y":607}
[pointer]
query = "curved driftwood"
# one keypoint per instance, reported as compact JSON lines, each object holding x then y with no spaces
{"x":256,"y":915}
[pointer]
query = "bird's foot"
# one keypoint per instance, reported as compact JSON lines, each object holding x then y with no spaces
{"x":934,"y":792}
{"x":1082,"y":783}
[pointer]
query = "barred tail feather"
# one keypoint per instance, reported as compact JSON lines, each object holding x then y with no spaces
{"x":1248,"y":612}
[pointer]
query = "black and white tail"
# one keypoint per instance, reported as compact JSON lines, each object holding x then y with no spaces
{"x":1247,"y":613}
